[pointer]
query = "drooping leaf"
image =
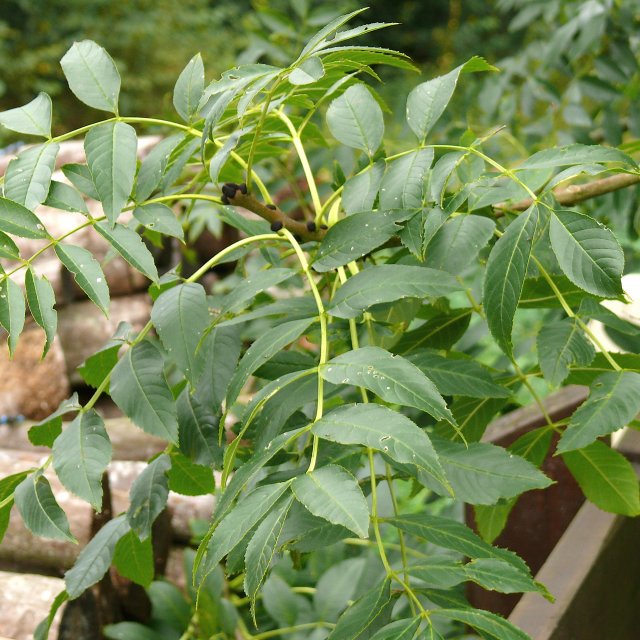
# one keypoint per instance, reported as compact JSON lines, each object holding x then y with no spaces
{"x":12,"y":311}
{"x":44,"y":433}
{"x":39,"y":510}
{"x":134,"y":559}
{"x":111,"y":156}
{"x":266,"y":346}
{"x":332,"y":493}
{"x":392,"y":378}
{"x":198,"y":430}
{"x":505,"y":274}
{"x":380,"y":428}
{"x":576,"y":154}
{"x":561,"y":344}
{"x":139,"y":388}
{"x":355,"y":236}
{"x":427,"y":102}
{"x":17,"y":220}
{"x":614,"y":401}
{"x":34,"y":118}
{"x":482,"y":473}
{"x":355,"y":119}
{"x":94,"y":560}
{"x":160,"y":218}
{"x":188,"y":478}
{"x":237,"y":523}
{"x":403,"y":182}
{"x":148,"y":496}
{"x":86,"y":272}
{"x":92,"y":75}
{"x":606,"y":477}
{"x":587,"y":252}
{"x":263,"y":546}
{"x":8,"y":486}
{"x":81,"y":454}
{"x":189,"y":89}
{"x":490,"y":520}
{"x":457,"y":243}
{"x":387,"y":283}
{"x":359,"y":192}
{"x":181,"y":316}
{"x":65,"y":197}
{"x":489,"y":624}
{"x":131,"y":247}
{"x":366,"y":615}
{"x":458,"y":377}
{"x":28,"y":176}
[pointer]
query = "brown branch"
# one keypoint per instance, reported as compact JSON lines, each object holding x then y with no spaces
{"x":568,"y":196}
{"x":277,"y":219}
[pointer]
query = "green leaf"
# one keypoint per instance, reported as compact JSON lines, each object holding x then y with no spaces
{"x":80,"y":177}
{"x":170,"y":609}
{"x":398,"y":630}
{"x":614,"y":401}
{"x":393,"y":378}
{"x":237,"y":523}
{"x":355,"y":119}
{"x":98,"y":365}
{"x":463,"y":377}
{"x":490,"y":520}
{"x":7,"y":489}
{"x":380,"y":428}
{"x":332,"y":493}
{"x":366,"y":615}
{"x":198,"y":430}
{"x":111,"y":150}
{"x":94,"y":560}
{"x":336,"y":587}
{"x":28,"y":176}
{"x":92,"y":75}
{"x":482,"y":473}
{"x":19,"y":221}
{"x":39,"y":510}
{"x":148,"y":496}
{"x":498,"y":575}
{"x":12,"y":311}
{"x":44,"y":433}
{"x":320,"y":40}
{"x":181,"y":316}
{"x":403,"y":181}
{"x":160,"y":218}
{"x":308,"y":72}
{"x":587,"y":252}
{"x":427,"y":102}
{"x":262,"y":547}
{"x":449,"y":534}
{"x":189,"y":89}
{"x":131,"y":247}
{"x":8,"y":248}
{"x":189,"y":478}
{"x":130,"y":631}
{"x":153,"y":167}
{"x":42,"y":630}
{"x":489,"y":624}
{"x":505,"y":274}
{"x":457,"y":243}
{"x":283,"y":605}
{"x":81,"y":454}
{"x":537,"y":293}
{"x":576,"y":154}
{"x":355,"y":236}
{"x":606,"y":478}
{"x":264,"y":348}
{"x":441,"y":331}
{"x":562,"y":344}
{"x":359,"y":192}
{"x":139,"y":388}
{"x":439,"y":572}
{"x":34,"y":118}
{"x":387,"y":283}
{"x":86,"y":272}
{"x":65,"y":197}
{"x":134,"y":559}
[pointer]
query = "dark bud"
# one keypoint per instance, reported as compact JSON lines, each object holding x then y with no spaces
{"x":311,"y":226}
{"x":297,"y":238}
{"x":276,"y":226}
{"x":243,"y":188}
{"x":323,"y":226}
{"x":224,"y":199}
{"x":229,"y":189}
{"x":272,"y":207}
